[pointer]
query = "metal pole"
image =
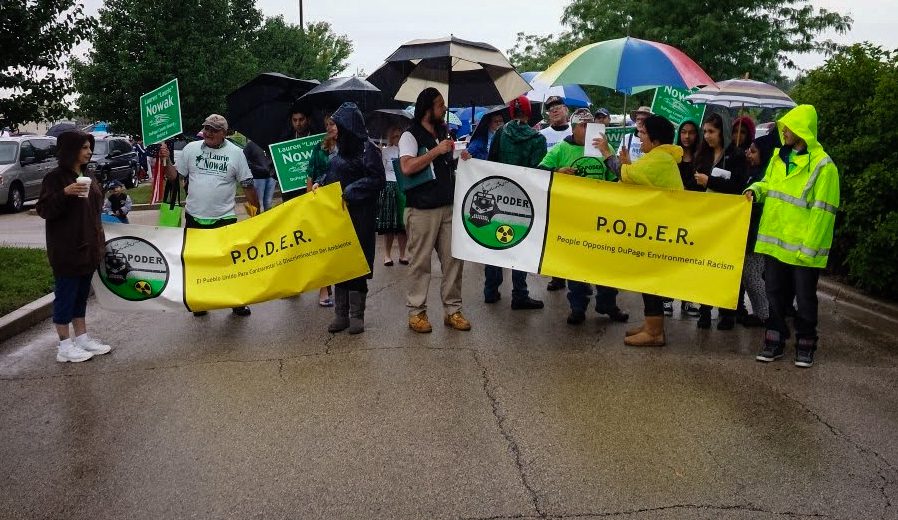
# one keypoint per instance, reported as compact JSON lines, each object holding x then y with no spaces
{"x":301,"y":24}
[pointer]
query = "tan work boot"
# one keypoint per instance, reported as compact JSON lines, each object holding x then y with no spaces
{"x":419,"y":322}
{"x":651,"y":336}
{"x":457,"y":321}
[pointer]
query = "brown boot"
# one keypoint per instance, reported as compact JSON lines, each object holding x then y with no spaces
{"x":635,"y":330}
{"x":651,"y":336}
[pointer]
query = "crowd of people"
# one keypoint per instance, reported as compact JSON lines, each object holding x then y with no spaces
{"x":786,"y":174}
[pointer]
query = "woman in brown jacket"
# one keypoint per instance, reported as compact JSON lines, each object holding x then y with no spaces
{"x":75,"y":242}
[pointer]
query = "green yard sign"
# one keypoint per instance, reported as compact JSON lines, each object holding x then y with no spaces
{"x":160,"y":113}
{"x":291,"y":161}
{"x":671,"y":103}
{"x":615,"y":135}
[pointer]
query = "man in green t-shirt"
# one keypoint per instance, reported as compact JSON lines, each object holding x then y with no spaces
{"x":568,"y":157}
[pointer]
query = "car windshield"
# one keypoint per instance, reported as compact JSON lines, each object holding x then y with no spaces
{"x":101,"y":148}
{"x":8,"y":152}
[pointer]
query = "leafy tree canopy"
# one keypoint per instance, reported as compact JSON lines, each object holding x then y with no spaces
{"x":35,"y":38}
{"x":728,"y":39}
{"x":211,"y":46}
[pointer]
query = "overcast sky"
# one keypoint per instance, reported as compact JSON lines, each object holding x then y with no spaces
{"x":377,"y":27}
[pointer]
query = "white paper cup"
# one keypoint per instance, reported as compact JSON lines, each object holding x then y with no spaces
{"x":84,"y":181}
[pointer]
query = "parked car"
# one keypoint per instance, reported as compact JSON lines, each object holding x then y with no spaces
{"x":24,"y":161}
{"x":114,"y":159}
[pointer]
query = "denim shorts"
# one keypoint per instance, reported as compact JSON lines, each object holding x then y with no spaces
{"x":71,"y":294}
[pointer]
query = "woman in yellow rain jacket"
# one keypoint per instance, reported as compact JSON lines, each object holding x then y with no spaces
{"x":800,"y":193}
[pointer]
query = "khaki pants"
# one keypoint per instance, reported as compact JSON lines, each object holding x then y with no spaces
{"x":431,"y":230}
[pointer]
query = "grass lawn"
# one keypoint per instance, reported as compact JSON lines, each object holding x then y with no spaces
{"x":26,"y":276}
{"x":142,"y":193}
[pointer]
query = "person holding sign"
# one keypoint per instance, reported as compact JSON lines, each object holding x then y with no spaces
{"x":800,"y":194}
{"x":719,"y":167}
{"x":359,"y":169}
{"x":213,"y":168}
{"x":658,"y":168}
{"x":424,"y":148}
{"x":71,"y":203}
{"x":568,"y":157}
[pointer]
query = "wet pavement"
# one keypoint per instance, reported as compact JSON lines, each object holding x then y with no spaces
{"x":523,"y":417}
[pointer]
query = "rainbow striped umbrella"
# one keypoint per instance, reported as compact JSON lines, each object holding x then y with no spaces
{"x":628,"y":65}
{"x":742,"y":93}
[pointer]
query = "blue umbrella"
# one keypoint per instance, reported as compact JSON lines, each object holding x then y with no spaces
{"x":464,"y":115}
{"x":573,"y":94}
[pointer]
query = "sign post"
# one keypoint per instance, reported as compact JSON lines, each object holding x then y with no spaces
{"x":160,"y":113}
{"x":291,"y":161}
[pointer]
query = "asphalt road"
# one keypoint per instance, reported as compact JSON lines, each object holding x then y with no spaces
{"x":523,"y":417}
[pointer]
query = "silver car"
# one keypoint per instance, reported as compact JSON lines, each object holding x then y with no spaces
{"x":24,"y":161}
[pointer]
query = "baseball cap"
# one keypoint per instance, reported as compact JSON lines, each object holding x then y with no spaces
{"x":522,"y":104}
{"x":603,"y":112}
{"x":217,"y":122}
{"x":581,"y":115}
{"x":552,"y":101}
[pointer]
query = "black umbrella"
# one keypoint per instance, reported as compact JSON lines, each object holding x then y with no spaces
{"x":380,"y":121}
{"x":466,"y":73}
{"x":329,"y":95}
{"x":260,"y":109}
{"x":59,"y":128}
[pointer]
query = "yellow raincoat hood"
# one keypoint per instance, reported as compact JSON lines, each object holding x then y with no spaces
{"x":802,"y":121}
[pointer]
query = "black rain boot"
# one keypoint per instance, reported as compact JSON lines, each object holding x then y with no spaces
{"x":341,"y":310}
{"x":357,"y":312}
{"x":704,"y":317}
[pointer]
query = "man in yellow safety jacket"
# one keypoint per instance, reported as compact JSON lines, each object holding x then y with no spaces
{"x":800,"y":194}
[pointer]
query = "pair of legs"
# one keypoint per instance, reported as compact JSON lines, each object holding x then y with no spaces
{"x":520,"y":295}
{"x":606,"y":302}
{"x":430,"y":230}
{"x":402,"y":239}
{"x":265,"y":189}
{"x":191,"y":222}
{"x":69,"y":309}
{"x":651,"y":332}
{"x":783,"y":282}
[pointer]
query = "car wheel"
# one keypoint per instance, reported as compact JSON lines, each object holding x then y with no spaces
{"x":132,"y":180}
{"x":16,"y":200}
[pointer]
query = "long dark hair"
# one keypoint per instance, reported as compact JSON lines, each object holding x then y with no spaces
{"x":704,"y":156}
{"x":694,"y":146}
{"x":68,"y":148}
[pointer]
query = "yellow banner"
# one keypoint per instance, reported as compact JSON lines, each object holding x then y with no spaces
{"x":303,"y":244}
{"x":679,"y":244}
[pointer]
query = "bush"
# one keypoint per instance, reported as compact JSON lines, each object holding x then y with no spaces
{"x":854,"y":95}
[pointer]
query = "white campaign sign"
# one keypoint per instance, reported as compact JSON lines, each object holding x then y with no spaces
{"x":500,"y":214}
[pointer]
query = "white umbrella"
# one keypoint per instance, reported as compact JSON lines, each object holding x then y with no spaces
{"x":742,"y":93}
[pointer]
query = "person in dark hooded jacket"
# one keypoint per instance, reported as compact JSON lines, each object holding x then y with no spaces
{"x":358,"y":167}
{"x":518,"y":144}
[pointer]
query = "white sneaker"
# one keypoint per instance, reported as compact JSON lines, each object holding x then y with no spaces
{"x":69,"y":352}
{"x":85,"y":342}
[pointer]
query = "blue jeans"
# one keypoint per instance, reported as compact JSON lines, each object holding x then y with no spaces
{"x":493,"y":279}
{"x":265,"y":191}
{"x":71,"y":298}
{"x":578,"y":294}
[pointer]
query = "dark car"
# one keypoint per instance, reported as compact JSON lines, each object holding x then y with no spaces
{"x":114,"y":159}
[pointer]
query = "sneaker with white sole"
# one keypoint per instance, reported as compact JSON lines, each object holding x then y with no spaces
{"x":91,"y":345}
{"x":68,"y":352}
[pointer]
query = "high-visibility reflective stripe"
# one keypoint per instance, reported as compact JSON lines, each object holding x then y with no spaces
{"x":792,"y":247}
{"x":795,"y":201}
{"x":825,"y":207}
{"x":813,"y":178}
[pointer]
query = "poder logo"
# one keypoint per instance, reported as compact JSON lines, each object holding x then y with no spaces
{"x":134,"y":269}
{"x":497,"y":213}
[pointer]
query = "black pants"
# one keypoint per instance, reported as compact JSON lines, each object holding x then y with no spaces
{"x":292,"y":194}
{"x":780,"y":279}
{"x":222,"y":222}
{"x":654,"y":305}
{"x":364,"y":221}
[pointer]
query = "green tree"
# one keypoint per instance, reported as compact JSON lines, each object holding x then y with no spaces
{"x":728,"y":39}
{"x":313,"y":53}
{"x":854,"y":93}
{"x":35,"y":37}
{"x":140,"y":45}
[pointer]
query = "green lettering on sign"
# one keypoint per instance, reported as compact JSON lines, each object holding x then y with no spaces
{"x":291,"y":161}
{"x":670,"y":102}
{"x":160,"y":113}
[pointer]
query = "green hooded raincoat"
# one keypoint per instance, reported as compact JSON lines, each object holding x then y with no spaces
{"x":800,"y":193}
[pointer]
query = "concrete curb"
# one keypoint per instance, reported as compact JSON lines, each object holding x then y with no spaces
{"x":26,"y":317}
{"x":846,"y":293}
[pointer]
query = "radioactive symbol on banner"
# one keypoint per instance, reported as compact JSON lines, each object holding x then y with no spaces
{"x":497,"y":213}
{"x":504,"y":234}
{"x":143,"y":287}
